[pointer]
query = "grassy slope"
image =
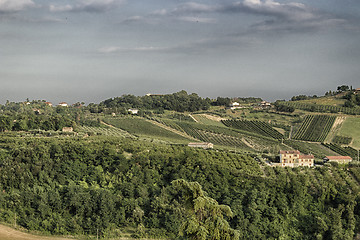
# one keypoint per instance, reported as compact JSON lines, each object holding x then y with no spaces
{"x":351,"y":128}
{"x":333,"y":101}
{"x":142,"y":128}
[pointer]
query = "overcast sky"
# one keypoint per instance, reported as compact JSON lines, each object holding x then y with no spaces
{"x":91,"y":50}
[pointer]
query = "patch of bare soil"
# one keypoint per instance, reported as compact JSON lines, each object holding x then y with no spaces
{"x":212,"y":117}
{"x":8,"y":233}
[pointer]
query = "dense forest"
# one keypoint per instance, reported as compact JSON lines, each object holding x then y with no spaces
{"x":84,"y":186}
{"x":180,"y":102}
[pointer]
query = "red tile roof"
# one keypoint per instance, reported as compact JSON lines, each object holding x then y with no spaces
{"x":338,"y":157}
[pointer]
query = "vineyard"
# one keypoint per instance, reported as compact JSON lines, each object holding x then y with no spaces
{"x":116,"y":132}
{"x":259,"y":127}
{"x":344,"y":151}
{"x":321,"y":108}
{"x":315,"y":128}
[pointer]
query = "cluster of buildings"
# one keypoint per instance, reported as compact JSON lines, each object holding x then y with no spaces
{"x":294,"y":158}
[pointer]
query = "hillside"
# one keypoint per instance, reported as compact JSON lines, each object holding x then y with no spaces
{"x":119,"y":187}
{"x":110,"y":172}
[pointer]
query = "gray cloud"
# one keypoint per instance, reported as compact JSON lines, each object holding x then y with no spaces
{"x":95,"y":6}
{"x":7,"y":6}
{"x":284,"y":16}
{"x":281,"y":16}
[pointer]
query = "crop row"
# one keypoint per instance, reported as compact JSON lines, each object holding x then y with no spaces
{"x":321,"y":108}
{"x":259,"y":127}
{"x":315,"y":128}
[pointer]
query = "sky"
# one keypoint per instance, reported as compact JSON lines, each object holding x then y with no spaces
{"x":92,"y":50}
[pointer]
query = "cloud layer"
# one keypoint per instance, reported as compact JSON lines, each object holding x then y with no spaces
{"x":293,"y":16}
{"x":94,"y":6}
{"x":15,"y":5}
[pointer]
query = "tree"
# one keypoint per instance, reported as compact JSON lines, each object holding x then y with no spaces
{"x":204,"y":216}
{"x":343,"y":88}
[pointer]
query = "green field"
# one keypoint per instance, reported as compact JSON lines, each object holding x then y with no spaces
{"x":351,"y":128}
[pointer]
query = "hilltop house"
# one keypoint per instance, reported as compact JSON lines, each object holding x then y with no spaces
{"x":338,"y":159}
{"x":234,"y":105}
{"x":295,"y":159}
{"x":48,"y":103}
{"x":265,"y":104}
{"x":204,"y":145}
{"x":133,"y":110}
{"x":63,"y":104}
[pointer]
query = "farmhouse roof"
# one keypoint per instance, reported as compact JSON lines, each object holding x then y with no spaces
{"x":310,"y":156}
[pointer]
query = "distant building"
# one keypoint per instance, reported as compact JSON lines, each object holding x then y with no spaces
{"x":151,"y":94}
{"x":48,"y":103}
{"x":357,"y":90}
{"x":295,"y":159}
{"x":265,"y":104}
{"x":338,"y":159}
{"x":133,"y":111}
{"x":235,"y":105}
{"x":204,"y":145}
{"x":63,"y":104}
{"x":67,"y":129}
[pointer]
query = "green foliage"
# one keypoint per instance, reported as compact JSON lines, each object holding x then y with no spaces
{"x":81,"y":186}
{"x":204,"y":217}
{"x":180,"y":101}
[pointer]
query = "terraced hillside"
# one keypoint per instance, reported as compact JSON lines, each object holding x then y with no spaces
{"x":315,"y":128}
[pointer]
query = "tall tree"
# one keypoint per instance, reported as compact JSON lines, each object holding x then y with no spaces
{"x":204,"y":217}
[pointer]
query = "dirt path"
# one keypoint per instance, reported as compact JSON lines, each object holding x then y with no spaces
{"x":193,"y":118}
{"x":8,"y":233}
{"x":214,"y":118}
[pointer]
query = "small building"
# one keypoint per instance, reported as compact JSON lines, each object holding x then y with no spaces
{"x":265,"y":104}
{"x":63,"y":104}
{"x":133,"y":111}
{"x":338,"y":159}
{"x":235,"y":105}
{"x":357,"y":90}
{"x":48,"y":103}
{"x":294,"y":158}
{"x":67,"y":129}
{"x":204,"y":145}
